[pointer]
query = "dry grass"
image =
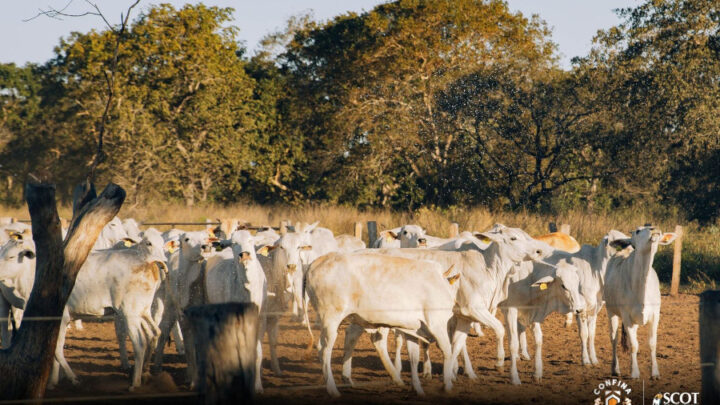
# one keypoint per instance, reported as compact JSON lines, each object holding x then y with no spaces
{"x":701,"y":246}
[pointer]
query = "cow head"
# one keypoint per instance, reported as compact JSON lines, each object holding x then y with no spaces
{"x":193,"y":245}
{"x":515,"y":244}
{"x":412,"y":236}
{"x":243,"y":246}
{"x":564,"y":284}
{"x":646,"y":239}
{"x":152,"y":247}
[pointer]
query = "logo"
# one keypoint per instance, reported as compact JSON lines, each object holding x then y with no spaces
{"x":612,"y":392}
{"x":676,"y":398}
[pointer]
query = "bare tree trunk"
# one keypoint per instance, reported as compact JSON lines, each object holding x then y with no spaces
{"x":226,"y":348}
{"x":25,"y":366}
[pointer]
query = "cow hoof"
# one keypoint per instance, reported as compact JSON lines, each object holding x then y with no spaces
{"x":525,"y":357}
{"x":348,"y":380}
{"x":537,"y":379}
{"x":655,"y":377}
{"x":515,"y":381}
{"x":334,"y":393}
{"x":75,"y":381}
{"x":499,"y":367}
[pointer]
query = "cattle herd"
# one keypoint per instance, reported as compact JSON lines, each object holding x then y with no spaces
{"x":424,"y":289}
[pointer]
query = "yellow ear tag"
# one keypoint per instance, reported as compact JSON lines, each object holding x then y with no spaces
{"x":15,"y":236}
{"x":454,"y":278}
{"x":263,"y":251}
{"x":128,"y":243}
{"x":484,"y":239}
{"x":171,"y":249}
{"x":543,"y":286}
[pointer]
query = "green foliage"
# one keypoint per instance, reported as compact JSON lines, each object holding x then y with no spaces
{"x":414,"y":103}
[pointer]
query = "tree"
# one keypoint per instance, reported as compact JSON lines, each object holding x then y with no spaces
{"x":365,"y":88}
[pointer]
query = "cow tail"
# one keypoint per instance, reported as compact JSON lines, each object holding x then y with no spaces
{"x":624,"y":340}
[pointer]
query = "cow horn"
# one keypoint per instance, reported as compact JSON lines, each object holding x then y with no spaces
{"x":448,"y":272}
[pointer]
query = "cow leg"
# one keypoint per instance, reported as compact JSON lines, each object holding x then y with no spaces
{"x":379,"y":340}
{"x":168,"y":321}
{"x":652,"y":342}
{"x":568,"y":319}
{"x":78,"y":324}
{"x":488,"y":319}
{"x":537,"y":333}
{"x":272,"y":329}
{"x":512,"y":325}
{"x":177,"y":338}
{"x":139,"y":343}
{"x":414,"y":356}
{"x":439,"y":329}
{"x":459,"y":344}
{"x":328,"y":335}
{"x":478,"y":328}
{"x":352,"y":334}
{"x":522,"y":335}
{"x":614,"y":324}
{"x":121,"y":332}
{"x":583,"y":332}
{"x":398,"y":350}
{"x":259,"y":356}
{"x":60,"y":356}
{"x":592,"y":323}
{"x":632,"y":336}
{"x":427,"y":365}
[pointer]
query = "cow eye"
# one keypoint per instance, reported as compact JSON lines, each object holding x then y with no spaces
{"x":513,"y":238}
{"x":187,"y":239}
{"x":563,"y":286}
{"x":404,"y":232}
{"x":11,"y":257}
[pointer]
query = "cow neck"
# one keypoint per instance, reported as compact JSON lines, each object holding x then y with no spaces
{"x":641,"y":266}
{"x":598,"y":259}
{"x":497,"y":265}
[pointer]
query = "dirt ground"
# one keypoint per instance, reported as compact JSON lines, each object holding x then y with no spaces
{"x":93,"y":355}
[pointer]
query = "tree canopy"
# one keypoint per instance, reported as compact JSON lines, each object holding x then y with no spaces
{"x":412,"y":103}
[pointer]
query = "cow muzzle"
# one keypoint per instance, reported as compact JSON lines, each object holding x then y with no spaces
{"x":422,"y":242}
{"x":245,"y":256}
{"x":292,"y":267}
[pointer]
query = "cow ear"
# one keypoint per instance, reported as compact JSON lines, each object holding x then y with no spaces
{"x":129,"y":242}
{"x":543,"y":282}
{"x":392,"y":235}
{"x":171,"y":246}
{"x":620,"y":243}
{"x":311,"y":227}
{"x":668,"y":238}
{"x":482,"y":237}
{"x":266,"y":249}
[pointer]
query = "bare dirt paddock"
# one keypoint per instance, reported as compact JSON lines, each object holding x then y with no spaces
{"x":93,"y":354}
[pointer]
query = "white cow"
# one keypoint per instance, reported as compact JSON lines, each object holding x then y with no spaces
{"x":112,"y":233}
{"x":185,"y":282}
{"x":534,"y":291}
{"x":266,"y":236}
{"x":376,"y":291}
{"x":632,"y":293}
{"x":591,"y":263}
{"x":132,"y":229}
{"x":17,"y":275}
{"x":124,"y":280}
{"x":387,"y":239}
{"x":349,"y":243}
{"x":239,"y":279}
{"x":482,"y":276}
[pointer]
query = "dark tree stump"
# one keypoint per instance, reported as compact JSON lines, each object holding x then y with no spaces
{"x":225,"y":346}
{"x":710,"y":346}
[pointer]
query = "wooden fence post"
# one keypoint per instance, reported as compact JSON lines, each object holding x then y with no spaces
{"x":358,"y":230}
{"x":552,"y":227}
{"x":677,"y":259}
{"x":454,"y":229}
{"x":226,"y":349}
{"x":372,"y":232}
{"x":283,"y":227}
{"x":709,"y":342}
{"x":565,"y":228}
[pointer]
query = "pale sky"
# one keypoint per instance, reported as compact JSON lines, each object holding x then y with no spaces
{"x":574,"y":22}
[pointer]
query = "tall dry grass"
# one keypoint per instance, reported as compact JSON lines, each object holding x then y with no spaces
{"x":701,"y":246}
